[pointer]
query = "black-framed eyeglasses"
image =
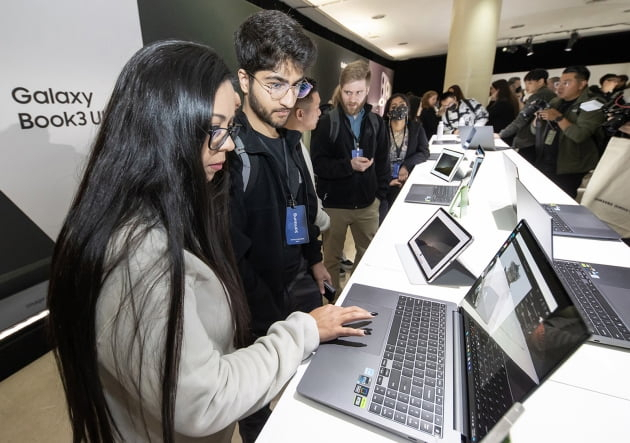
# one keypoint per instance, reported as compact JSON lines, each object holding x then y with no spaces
{"x":277,"y":90}
{"x":219,"y":135}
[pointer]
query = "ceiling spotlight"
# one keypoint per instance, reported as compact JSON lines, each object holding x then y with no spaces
{"x":572,"y":39}
{"x":529,"y":46}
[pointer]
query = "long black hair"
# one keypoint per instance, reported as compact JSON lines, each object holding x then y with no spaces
{"x":144,"y":172}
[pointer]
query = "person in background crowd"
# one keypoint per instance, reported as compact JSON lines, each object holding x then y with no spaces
{"x":607,"y":85}
{"x":503,"y":107}
{"x":148,"y":318}
{"x":515,"y":84}
{"x":553,"y":83}
{"x":429,"y":113}
{"x":304,"y":117}
{"x":352,"y":167}
{"x":408,"y":146}
{"x":414,"y":106}
{"x":457,"y":110}
{"x":519,"y":129}
{"x":622,"y":83}
{"x":567,"y":145}
{"x":281,"y":266}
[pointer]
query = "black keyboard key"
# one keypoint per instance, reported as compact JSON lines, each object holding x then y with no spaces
{"x":413,"y":422}
{"x":394,"y":379}
{"x":402,"y":407}
{"x":375,"y":408}
{"x":376,"y":398}
{"x":400,"y":417}
{"x":387,"y":413}
{"x":426,"y":427}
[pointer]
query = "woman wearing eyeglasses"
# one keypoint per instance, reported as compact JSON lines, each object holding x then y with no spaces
{"x":408,"y":146}
{"x":147,"y":313}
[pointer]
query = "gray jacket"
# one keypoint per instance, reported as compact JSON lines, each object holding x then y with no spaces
{"x":519,"y":128}
{"x":217,"y":384}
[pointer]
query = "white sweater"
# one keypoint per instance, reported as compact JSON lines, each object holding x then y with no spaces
{"x":217,"y":384}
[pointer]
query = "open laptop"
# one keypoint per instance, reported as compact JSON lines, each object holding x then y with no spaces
{"x":433,"y":372}
{"x":446,"y":167}
{"x":578,"y":221}
{"x":475,"y":136}
{"x":601,"y":292}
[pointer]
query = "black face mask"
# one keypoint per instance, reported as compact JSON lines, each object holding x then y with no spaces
{"x":399,"y":112}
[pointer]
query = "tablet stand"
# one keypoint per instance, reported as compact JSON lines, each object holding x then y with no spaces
{"x":459,"y":205}
{"x":454,"y":274}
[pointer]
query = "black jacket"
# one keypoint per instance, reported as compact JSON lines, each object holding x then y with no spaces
{"x":338,"y":185}
{"x":258,"y":217}
{"x":430,"y":121}
{"x":418,"y":146}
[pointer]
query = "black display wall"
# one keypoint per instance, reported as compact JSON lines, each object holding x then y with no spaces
{"x":421,"y":74}
{"x":214,"y":22}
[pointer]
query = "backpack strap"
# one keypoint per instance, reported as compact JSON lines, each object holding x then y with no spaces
{"x":334,"y":124}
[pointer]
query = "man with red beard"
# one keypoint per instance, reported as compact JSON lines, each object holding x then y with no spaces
{"x":273,"y":201}
{"x":351,"y":163}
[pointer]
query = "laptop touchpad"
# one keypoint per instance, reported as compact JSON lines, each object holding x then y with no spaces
{"x":378,"y":327}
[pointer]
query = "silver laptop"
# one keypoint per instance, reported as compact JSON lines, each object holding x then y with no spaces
{"x":478,"y":136}
{"x":578,"y":221}
{"x":446,"y":167}
{"x":432,"y":371}
{"x":601,"y":292}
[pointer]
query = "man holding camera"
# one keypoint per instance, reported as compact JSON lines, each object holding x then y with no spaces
{"x":568,"y":139}
{"x":524,"y":140}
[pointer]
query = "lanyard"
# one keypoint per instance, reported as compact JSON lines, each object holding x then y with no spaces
{"x":402,"y":142}
{"x":290,"y":191}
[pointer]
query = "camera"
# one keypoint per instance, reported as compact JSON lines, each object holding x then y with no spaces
{"x":533,"y":107}
{"x":617,"y":113}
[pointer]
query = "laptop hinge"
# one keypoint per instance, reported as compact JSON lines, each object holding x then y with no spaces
{"x":460,"y":393}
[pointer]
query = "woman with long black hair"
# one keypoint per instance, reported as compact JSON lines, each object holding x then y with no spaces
{"x":147,"y":313}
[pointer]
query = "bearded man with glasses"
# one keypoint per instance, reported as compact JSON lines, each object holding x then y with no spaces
{"x":273,"y":200}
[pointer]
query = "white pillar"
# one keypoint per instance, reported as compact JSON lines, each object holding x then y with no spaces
{"x":472,"y":45}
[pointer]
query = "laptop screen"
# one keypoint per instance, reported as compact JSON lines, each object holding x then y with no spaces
{"x":439,"y":241}
{"x":519,"y":325}
{"x":446,"y":165}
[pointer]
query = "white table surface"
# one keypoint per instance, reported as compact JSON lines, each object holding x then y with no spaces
{"x":587,"y":399}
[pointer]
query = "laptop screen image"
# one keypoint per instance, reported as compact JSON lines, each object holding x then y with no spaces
{"x":446,"y":165}
{"x":520,"y":325}
{"x":438,"y":242}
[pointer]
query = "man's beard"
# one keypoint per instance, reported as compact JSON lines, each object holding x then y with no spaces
{"x":265,"y":115}
{"x":358,"y":108}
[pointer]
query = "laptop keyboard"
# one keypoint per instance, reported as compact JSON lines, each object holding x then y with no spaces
{"x":443,"y":193}
{"x":410,"y":383}
{"x":600,"y":317}
{"x":487,"y":364}
{"x":558,"y":224}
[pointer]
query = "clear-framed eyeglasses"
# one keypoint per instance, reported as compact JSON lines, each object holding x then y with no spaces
{"x":219,"y":135}
{"x":277,"y":90}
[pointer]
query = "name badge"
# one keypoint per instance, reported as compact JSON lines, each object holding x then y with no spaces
{"x":550,"y":136}
{"x":395,"y":170}
{"x":296,"y":228}
{"x":357,"y":153}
